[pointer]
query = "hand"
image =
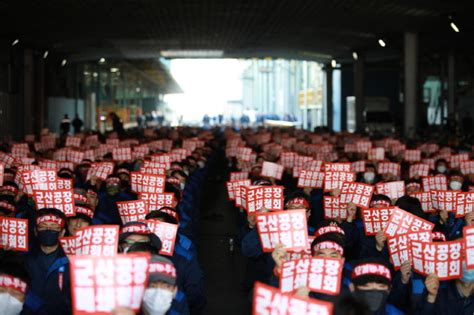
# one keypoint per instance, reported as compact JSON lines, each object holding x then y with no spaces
{"x":380,"y":239}
{"x":279,"y":255}
{"x":307,"y":190}
{"x":469,"y":219}
{"x":405,"y":270}
{"x":443,"y":216}
{"x":432,"y":286}
{"x":122,"y":311}
{"x":351,"y":212}
{"x":336,"y":192}
{"x":302,"y":292}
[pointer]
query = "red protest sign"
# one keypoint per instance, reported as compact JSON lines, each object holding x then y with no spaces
{"x":376,"y":154}
{"x":68,"y":244}
{"x":398,"y":246}
{"x":167,"y":234}
{"x":20,"y":150}
{"x":2,"y":170}
{"x":97,"y":240}
{"x":272,"y":170}
{"x":287,"y":159}
{"x":283,"y":227}
{"x":238,"y":176}
{"x":388,"y":168}
{"x":455,"y":160}
{"x":441,"y":258}
{"x":467,"y":167}
{"x":243,"y":153}
{"x":412,"y":155}
{"x":153,"y":171}
{"x":59,"y":199}
{"x":100,"y":284}
{"x":394,"y":190}
{"x":75,"y":156}
{"x":468,"y":248}
{"x":419,"y":170}
{"x":337,"y":167}
{"x":156,"y":164}
{"x":156,"y":201}
{"x":6,"y":159}
{"x":334,"y":180}
{"x":464,"y":203}
{"x":122,"y":154}
{"x":363,"y":146}
{"x":438,"y":182}
{"x":132,"y":211}
{"x":232,"y":185}
{"x":322,"y":275}
{"x":73,"y":141}
{"x":293,"y":255}
{"x":14,"y":233}
{"x":334,"y":208}
{"x":402,"y":222}
{"x":358,"y":166}
{"x":376,"y":219}
{"x":444,"y":200}
{"x":38,"y":180}
{"x":425,"y":200}
{"x":269,"y":300}
{"x":141,"y":182}
{"x":255,"y":198}
{"x":312,"y":179}
{"x":100,"y":170}
{"x":357,"y":193}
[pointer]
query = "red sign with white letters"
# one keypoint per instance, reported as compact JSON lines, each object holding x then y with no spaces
{"x":100,"y":284}
{"x":398,"y":246}
{"x":425,"y":199}
{"x":312,"y":179}
{"x":376,"y":219}
{"x":468,"y":239}
{"x":334,"y":180}
{"x":322,"y":275}
{"x":14,"y":234}
{"x":334,"y":208}
{"x":269,"y":300}
{"x":255,"y":198}
{"x":441,"y":258}
{"x":419,"y":170}
{"x":97,"y":240}
{"x":59,"y":199}
{"x":167,"y":234}
{"x":283,"y":227}
{"x":141,"y":182}
{"x":132,"y":211}
{"x":402,"y":222}
{"x":393,"y":190}
{"x":156,"y":201}
{"x":389,"y":168}
{"x":272,"y":170}
{"x":357,"y":193}
{"x":439,"y":182}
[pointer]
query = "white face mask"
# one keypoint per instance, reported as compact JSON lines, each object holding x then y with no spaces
{"x":441,"y":169}
{"x":157,"y":301}
{"x":201,"y":164}
{"x":181,"y":186}
{"x":10,"y":305}
{"x":455,"y":185}
{"x":369,"y":176}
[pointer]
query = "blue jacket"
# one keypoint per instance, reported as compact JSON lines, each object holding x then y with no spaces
{"x":49,"y":290}
{"x":107,"y":211}
{"x":448,"y":302}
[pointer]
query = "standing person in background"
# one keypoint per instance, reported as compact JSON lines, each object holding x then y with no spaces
{"x":65,"y":125}
{"x":117,"y":124}
{"x":77,"y":124}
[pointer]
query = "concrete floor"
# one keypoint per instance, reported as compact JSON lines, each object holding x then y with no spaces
{"x":223,"y":269}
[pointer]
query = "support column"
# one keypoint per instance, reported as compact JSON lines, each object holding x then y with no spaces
{"x":411,"y":72}
{"x":27,"y":93}
{"x":305,"y":91}
{"x":451,"y":84}
{"x":40,"y":101}
{"x":359,"y":86}
{"x":329,"y":95}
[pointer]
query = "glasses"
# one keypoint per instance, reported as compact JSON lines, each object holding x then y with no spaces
{"x":131,"y":242}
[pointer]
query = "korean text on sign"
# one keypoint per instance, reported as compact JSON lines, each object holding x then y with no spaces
{"x":283,"y":227}
{"x":322,"y":275}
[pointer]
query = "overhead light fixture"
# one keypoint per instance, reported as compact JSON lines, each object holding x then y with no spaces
{"x":382,"y":43}
{"x":102,"y":60}
{"x":16,"y":41}
{"x":95,"y":74}
{"x":333,"y":63}
{"x":113,"y":70}
{"x":354,"y":55}
{"x":138,"y":90}
{"x":45,"y":54}
{"x":86,"y":73}
{"x":454,"y":27}
{"x":192,"y":53}
{"x":64,"y":62}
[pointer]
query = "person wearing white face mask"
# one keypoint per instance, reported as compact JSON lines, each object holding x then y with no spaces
{"x":162,"y":288}
{"x":456,"y":181}
{"x":12,"y":294}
